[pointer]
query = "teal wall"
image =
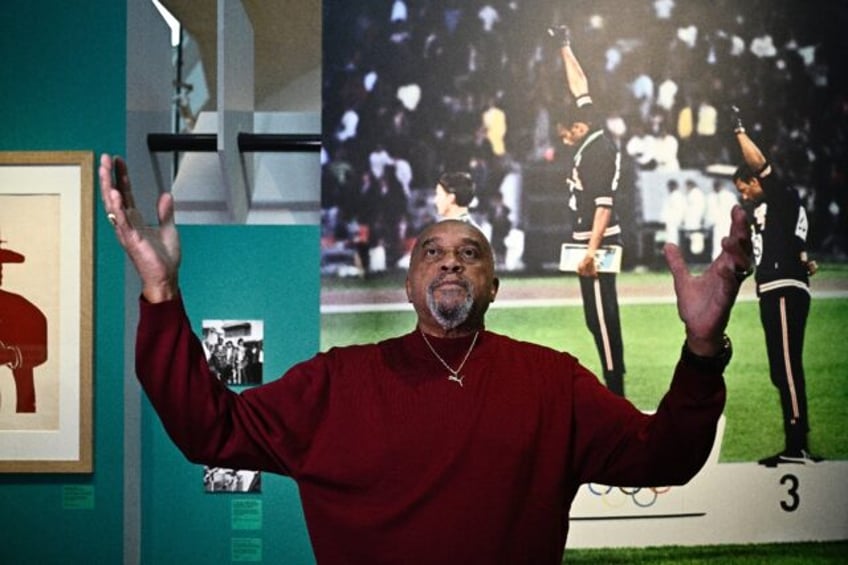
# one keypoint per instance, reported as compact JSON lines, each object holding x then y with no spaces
{"x":62,"y":86}
{"x":268,"y":273}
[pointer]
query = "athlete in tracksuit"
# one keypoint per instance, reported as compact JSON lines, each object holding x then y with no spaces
{"x":779,"y":236}
{"x":593,"y":184}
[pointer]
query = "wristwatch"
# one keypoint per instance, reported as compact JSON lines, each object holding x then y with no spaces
{"x":713,"y":364}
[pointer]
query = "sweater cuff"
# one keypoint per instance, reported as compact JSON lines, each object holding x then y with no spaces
{"x":698,"y":381}
{"x":167,"y":308}
{"x":712,"y":364}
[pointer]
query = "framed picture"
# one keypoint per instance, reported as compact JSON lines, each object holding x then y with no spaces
{"x":46,"y":201}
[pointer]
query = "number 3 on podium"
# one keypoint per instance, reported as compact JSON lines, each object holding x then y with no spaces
{"x":791,"y":503}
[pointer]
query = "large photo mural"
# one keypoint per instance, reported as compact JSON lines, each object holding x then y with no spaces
{"x":472,"y":110}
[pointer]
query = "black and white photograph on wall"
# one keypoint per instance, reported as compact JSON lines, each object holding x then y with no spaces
{"x":224,"y":480}
{"x":234,"y":350}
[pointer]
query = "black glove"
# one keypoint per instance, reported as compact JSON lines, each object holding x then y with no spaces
{"x":736,"y":117}
{"x":561,"y":34}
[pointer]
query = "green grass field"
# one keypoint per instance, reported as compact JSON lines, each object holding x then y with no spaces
{"x":652,"y":336}
{"x":754,"y":554}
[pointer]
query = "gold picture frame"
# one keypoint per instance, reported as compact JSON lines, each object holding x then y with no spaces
{"x":46,"y":268}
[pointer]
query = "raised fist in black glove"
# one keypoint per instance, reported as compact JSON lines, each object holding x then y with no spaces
{"x":561,"y":34}
{"x":736,"y":118}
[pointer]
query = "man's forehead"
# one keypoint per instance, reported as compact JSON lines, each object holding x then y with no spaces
{"x":463,"y":239}
{"x":452,"y":230}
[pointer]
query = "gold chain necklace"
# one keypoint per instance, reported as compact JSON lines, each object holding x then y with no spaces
{"x":454,"y":375}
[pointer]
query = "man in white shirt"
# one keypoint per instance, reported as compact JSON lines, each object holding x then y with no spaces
{"x":673,"y":211}
{"x":719,"y":204}
{"x":693,"y":221}
{"x":695,"y":206}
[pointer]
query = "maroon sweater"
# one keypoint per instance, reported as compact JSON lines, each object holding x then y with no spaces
{"x":395,"y":464}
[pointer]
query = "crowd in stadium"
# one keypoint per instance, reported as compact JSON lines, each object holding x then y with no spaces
{"x":415,"y":88}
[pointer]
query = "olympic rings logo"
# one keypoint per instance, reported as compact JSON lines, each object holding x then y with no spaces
{"x":616,"y":497}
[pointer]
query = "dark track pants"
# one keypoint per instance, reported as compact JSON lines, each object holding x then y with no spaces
{"x":783,"y":313}
{"x":600,"y":308}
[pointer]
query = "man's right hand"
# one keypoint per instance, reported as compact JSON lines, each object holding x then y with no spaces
{"x":154,"y":251}
{"x":588,"y":266}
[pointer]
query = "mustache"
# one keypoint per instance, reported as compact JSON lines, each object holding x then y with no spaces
{"x":454,"y":279}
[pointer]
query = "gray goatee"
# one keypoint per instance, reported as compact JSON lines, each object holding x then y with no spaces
{"x":451,"y":314}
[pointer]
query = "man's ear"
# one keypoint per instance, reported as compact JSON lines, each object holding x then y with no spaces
{"x":496,"y":283}
{"x":408,"y":287}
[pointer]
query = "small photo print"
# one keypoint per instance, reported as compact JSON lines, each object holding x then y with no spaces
{"x":221,"y":479}
{"x":234,"y":350}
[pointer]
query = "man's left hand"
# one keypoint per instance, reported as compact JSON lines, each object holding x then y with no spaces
{"x":812,"y":267}
{"x":704,"y":301}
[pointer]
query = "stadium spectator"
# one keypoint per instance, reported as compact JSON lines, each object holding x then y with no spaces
{"x":665,"y":149}
{"x":673,"y":211}
{"x":719,"y":204}
{"x":695,"y":206}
